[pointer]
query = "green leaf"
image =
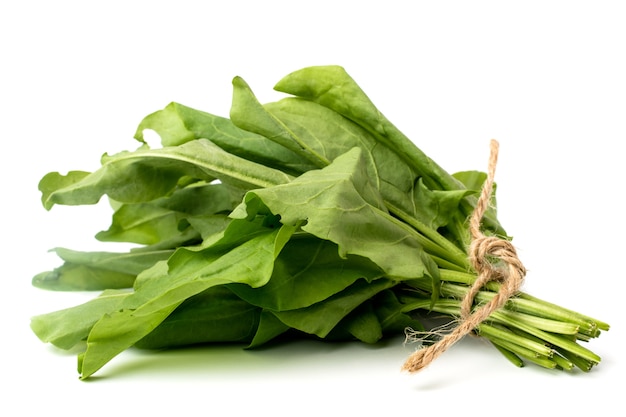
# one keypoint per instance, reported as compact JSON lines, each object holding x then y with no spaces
{"x":190,"y":272}
{"x":362,"y":324}
{"x":330,"y":135}
{"x":334,"y":88}
{"x":338,"y":203}
{"x":247,"y":113}
{"x":269,"y":328}
{"x":381,"y":315}
{"x":177,"y":124}
{"x":54,"y":181}
{"x":474,"y":180}
{"x":437,"y":208}
{"x":169,"y":125}
{"x":147,"y":174}
{"x":73,"y":277}
{"x":167,"y":219}
{"x":68,"y":327}
{"x":320,"y":319}
{"x":307,"y":271}
{"x":89,"y":271}
{"x":202,"y":198}
{"x":210,"y":224}
{"x":146,"y":224}
{"x":391,"y":314}
{"x":216,"y":315}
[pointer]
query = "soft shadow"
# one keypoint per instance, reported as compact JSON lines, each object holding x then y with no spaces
{"x":234,"y":360}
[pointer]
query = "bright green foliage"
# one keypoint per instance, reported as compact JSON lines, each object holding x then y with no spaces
{"x":313,"y":216}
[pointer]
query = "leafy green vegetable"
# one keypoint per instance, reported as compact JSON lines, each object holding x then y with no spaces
{"x":312,"y":216}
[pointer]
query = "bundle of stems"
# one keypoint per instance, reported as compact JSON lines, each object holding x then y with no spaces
{"x":526,"y":328}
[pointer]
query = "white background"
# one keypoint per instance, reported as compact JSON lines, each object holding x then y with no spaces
{"x":545,"y":78}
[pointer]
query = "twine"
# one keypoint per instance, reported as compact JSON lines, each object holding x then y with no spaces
{"x":493,"y":259}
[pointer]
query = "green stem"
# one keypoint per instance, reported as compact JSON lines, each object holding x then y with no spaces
{"x":566,"y":312}
{"x":444,"y":264}
{"x":527,"y":354}
{"x":581,"y":363}
{"x":524,"y":303}
{"x":562,"y":363}
{"x":449,"y":250}
{"x":553,"y":326}
{"x":512,"y":357}
{"x":491,"y":331}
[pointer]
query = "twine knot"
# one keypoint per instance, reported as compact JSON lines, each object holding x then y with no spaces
{"x":492,"y":258}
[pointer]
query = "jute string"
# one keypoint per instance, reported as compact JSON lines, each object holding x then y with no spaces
{"x":493,"y":259}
